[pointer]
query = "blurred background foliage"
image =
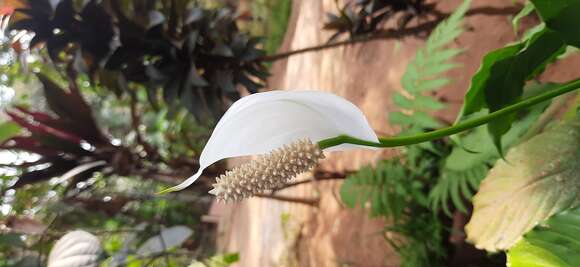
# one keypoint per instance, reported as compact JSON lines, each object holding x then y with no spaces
{"x":107,"y":102}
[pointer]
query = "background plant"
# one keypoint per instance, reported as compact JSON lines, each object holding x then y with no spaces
{"x":457,"y":166}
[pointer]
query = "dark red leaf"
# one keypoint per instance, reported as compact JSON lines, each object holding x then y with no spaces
{"x":40,"y":129}
{"x":73,"y":110}
{"x":27,"y":144}
{"x":37,"y":116}
{"x":56,"y":123}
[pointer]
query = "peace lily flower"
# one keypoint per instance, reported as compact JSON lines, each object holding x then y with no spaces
{"x":284,"y":128}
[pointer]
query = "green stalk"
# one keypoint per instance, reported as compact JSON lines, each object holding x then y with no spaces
{"x":451,"y":130}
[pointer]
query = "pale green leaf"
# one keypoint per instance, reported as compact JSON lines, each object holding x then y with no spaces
{"x":429,"y":85}
{"x":554,"y":243}
{"x":425,"y":121}
{"x":438,"y":57}
{"x":539,"y":179}
{"x":417,"y":103}
{"x":439,"y":68}
{"x":524,"y":254}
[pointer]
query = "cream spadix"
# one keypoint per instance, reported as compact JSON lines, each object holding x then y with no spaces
{"x":261,"y":123}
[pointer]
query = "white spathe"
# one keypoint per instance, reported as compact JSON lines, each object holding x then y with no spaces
{"x":259,"y":123}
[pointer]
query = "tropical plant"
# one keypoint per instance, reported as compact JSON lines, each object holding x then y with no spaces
{"x":195,"y":56}
{"x":366,"y":16}
{"x":458,"y":167}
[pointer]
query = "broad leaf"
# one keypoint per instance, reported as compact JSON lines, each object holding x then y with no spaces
{"x":502,"y":76}
{"x":555,"y":243}
{"x":463,"y":170}
{"x":475,"y":97}
{"x":480,"y":145}
{"x":562,"y":17}
{"x":539,"y":179}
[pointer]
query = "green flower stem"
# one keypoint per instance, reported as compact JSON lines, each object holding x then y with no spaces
{"x":451,"y":130}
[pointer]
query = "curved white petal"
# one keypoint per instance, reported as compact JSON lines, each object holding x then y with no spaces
{"x":262,"y":122}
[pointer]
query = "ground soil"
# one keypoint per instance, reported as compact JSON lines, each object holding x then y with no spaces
{"x":273,"y":233}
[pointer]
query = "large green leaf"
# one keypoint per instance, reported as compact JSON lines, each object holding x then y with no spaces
{"x":475,"y":97}
{"x":502,"y":76}
{"x":539,"y":179}
{"x":463,"y":170}
{"x":562,"y":17}
{"x":510,"y":75}
{"x":480,"y":145}
{"x":555,"y":243}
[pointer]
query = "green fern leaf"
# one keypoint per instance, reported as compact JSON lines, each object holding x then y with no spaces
{"x":456,"y":186}
{"x":424,"y":74}
{"x":386,"y":187}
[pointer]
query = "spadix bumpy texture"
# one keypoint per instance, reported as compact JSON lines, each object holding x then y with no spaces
{"x":267,"y":172}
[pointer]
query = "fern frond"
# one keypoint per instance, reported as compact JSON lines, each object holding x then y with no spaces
{"x":388,"y":187}
{"x":394,"y":189}
{"x":455,"y":186}
{"x":424,"y":74}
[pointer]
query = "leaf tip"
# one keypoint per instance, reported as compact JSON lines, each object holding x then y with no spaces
{"x":166,"y":191}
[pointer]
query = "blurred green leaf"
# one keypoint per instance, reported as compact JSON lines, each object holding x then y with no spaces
{"x":220,"y":260}
{"x":28,"y":261}
{"x":8,"y":130}
{"x":554,"y":243}
{"x":11,"y":240}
